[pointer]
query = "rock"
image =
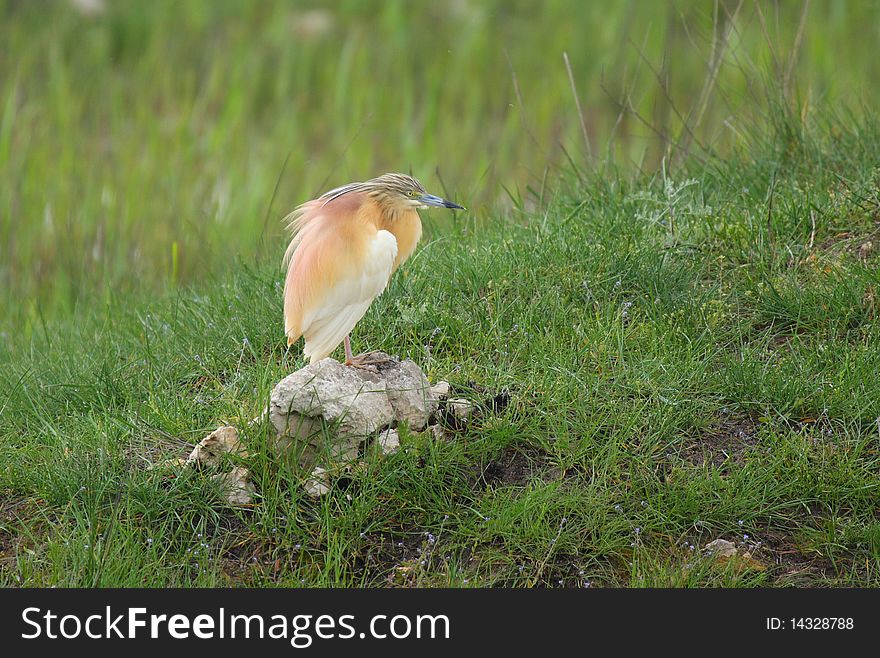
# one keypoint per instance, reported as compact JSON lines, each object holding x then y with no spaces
{"x":389,"y":442}
{"x":328,"y":409}
{"x":726,"y":552}
{"x":720,"y":548}
{"x":439,"y":433}
{"x":410,"y":395}
{"x":462,"y":409}
{"x":408,"y":390}
{"x":210,"y":450}
{"x":319,"y":483}
{"x":209,"y":453}
{"x":327,"y":405}
{"x":441,"y":390}
{"x":259,"y":419}
{"x":236,"y":486}
{"x":746,"y":561}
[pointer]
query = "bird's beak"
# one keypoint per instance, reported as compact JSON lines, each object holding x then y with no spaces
{"x":437,"y":202}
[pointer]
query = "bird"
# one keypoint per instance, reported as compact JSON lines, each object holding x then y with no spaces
{"x":344,"y":247}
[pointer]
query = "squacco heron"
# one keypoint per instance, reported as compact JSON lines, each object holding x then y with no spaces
{"x":346,"y":245}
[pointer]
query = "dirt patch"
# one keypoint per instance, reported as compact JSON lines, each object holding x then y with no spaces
{"x":243,"y":557}
{"x":789,"y":566}
{"x":779,"y":336}
{"x":515,"y":466}
{"x":512,"y":467}
{"x":244,"y":560}
{"x":785,"y":561}
{"x":249,"y":559}
{"x":394,"y":560}
{"x":780,"y":341}
{"x":566,"y":571}
{"x":727,"y":440}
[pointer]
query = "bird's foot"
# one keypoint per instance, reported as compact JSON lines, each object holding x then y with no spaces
{"x":369,"y":360}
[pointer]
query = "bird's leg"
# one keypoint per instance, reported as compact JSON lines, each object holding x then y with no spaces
{"x":349,"y":359}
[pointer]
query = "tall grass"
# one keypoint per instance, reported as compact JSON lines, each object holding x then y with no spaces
{"x":151,"y":143}
{"x":687,"y":358}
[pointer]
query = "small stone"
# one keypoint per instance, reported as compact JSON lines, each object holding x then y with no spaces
{"x":259,"y":419}
{"x":236,"y":486}
{"x":438,"y":432}
{"x":441,"y":389}
{"x":210,"y":450}
{"x":462,"y":409}
{"x":720,"y":548}
{"x":319,"y":483}
{"x":726,"y":553}
{"x":389,"y":442}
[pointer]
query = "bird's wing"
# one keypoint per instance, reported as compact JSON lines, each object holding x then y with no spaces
{"x":346,"y":302}
{"x":344,"y":295}
{"x":323,"y":247}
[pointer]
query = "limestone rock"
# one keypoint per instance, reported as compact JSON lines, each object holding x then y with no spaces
{"x":726,"y":552}
{"x":327,"y":405}
{"x":236,"y":486}
{"x":462,"y":409}
{"x":408,"y":390}
{"x":330,"y":408}
{"x":319,"y":483}
{"x":389,"y":442}
{"x":410,"y":395}
{"x":441,"y":389}
{"x":210,"y":450}
{"x":720,"y":548}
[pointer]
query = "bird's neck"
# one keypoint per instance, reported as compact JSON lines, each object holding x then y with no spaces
{"x":392,"y":214}
{"x":390,"y":210}
{"x":406,"y":226}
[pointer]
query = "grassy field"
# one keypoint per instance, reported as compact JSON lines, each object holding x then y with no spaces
{"x":687,"y":359}
{"x":150,"y":144}
{"x":689,"y":342}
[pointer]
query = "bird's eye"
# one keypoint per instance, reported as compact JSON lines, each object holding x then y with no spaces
{"x":412,"y":192}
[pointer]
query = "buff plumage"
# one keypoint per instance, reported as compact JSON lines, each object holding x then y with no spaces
{"x":346,"y":244}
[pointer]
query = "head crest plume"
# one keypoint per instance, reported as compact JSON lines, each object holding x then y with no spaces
{"x":386,"y":183}
{"x":304,"y":214}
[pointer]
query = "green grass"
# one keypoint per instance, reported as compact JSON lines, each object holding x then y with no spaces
{"x":688,"y":358}
{"x":689,"y":341}
{"x":152,"y":143}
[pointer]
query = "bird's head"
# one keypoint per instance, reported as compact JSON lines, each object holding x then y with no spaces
{"x":405,"y":192}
